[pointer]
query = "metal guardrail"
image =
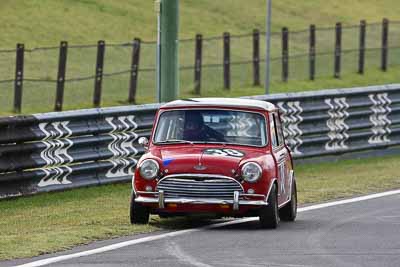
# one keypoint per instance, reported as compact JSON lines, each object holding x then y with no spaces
{"x":57,"y":151}
{"x":331,"y":122}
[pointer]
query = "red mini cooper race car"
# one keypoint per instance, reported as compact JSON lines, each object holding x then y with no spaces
{"x":216,"y":155}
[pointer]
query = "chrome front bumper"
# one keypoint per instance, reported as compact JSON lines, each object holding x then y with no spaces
{"x":158,"y":197}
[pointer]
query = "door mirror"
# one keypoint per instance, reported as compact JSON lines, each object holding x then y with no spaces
{"x":143,"y":141}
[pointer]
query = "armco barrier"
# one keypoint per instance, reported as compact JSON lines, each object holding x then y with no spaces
{"x":330,"y":122}
{"x":57,"y":151}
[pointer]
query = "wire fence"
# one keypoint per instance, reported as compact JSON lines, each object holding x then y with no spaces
{"x":105,"y":74}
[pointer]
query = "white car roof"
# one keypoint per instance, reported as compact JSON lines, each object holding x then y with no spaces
{"x":223,"y":102}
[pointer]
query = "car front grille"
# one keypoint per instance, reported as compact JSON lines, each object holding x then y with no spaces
{"x":199,"y":186}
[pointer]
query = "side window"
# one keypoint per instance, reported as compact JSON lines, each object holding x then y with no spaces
{"x":170,"y":126}
{"x":279,"y":129}
{"x":274,"y":136}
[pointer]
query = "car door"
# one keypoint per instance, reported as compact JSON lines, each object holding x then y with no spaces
{"x":282,"y":157}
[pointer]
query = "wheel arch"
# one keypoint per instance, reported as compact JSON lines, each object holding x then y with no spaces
{"x":273,"y":182}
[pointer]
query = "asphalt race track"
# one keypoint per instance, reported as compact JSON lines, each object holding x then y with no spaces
{"x":365,"y":233}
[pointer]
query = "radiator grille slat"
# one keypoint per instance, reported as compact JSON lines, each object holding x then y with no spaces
{"x":195,"y":187}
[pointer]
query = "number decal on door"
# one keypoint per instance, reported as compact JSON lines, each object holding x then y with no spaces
{"x":282,"y":173}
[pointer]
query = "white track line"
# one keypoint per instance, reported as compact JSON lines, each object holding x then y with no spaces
{"x":182,"y":232}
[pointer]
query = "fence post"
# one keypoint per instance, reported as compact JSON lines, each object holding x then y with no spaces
{"x":285,"y":54}
{"x":134,"y":70}
{"x":338,"y":48}
{"x":198,"y":63}
{"x":227,"y":52}
{"x":99,"y":73}
{"x":19,"y":77}
{"x":62,"y":63}
{"x":256,"y":57}
{"x":361,"y":52}
{"x":312,"y":52}
{"x":385,"y":30}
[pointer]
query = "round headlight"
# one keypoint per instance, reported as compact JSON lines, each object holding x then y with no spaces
{"x":251,"y":172}
{"x":149,"y":169}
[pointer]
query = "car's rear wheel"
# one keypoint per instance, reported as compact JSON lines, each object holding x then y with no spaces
{"x":289,"y":212}
{"x":269,"y":218}
{"x":139,"y":214}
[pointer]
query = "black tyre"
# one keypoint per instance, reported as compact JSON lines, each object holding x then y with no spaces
{"x":139,"y":214}
{"x":269,"y":218}
{"x":289,"y":212}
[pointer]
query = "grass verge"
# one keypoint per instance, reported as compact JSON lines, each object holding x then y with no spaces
{"x":81,"y":96}
{"x":56,"y":221}
{"x":51,"y":21}
{"x":46,"y":22}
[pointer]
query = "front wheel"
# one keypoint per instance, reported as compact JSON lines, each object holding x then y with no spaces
{"x":289,"y":212}
{"x":269,"y":214}
{"x":139,"y":214}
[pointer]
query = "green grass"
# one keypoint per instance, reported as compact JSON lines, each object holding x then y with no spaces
{"x":47,"y":22}
{"x":57,"y":221}
{"x":330,"y":180}
{"x":42,"y":99}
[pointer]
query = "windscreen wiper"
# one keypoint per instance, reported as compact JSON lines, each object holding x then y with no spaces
{"x":208,"y":142}
{"x":172,"y":141}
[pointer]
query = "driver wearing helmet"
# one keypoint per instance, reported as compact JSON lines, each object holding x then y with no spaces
{"x":196,"y":130}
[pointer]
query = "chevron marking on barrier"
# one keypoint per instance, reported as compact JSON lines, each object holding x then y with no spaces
{"x":291,"y":118}
{"x":336,"y":123}
{"x":55,"y":153}
{"x":240,"y":125}
{"x":379,"y":118}
{"x":56,"y":176}
{"x":122,"y":147}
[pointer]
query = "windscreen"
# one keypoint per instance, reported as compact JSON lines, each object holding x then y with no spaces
{"x":211,"y":126}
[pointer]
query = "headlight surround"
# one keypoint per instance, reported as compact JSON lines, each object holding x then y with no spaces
{"x":251,"y":172}
{"x":149,"y":169}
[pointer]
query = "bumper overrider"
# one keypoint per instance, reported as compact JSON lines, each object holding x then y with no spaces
{"x":199,"y":189}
